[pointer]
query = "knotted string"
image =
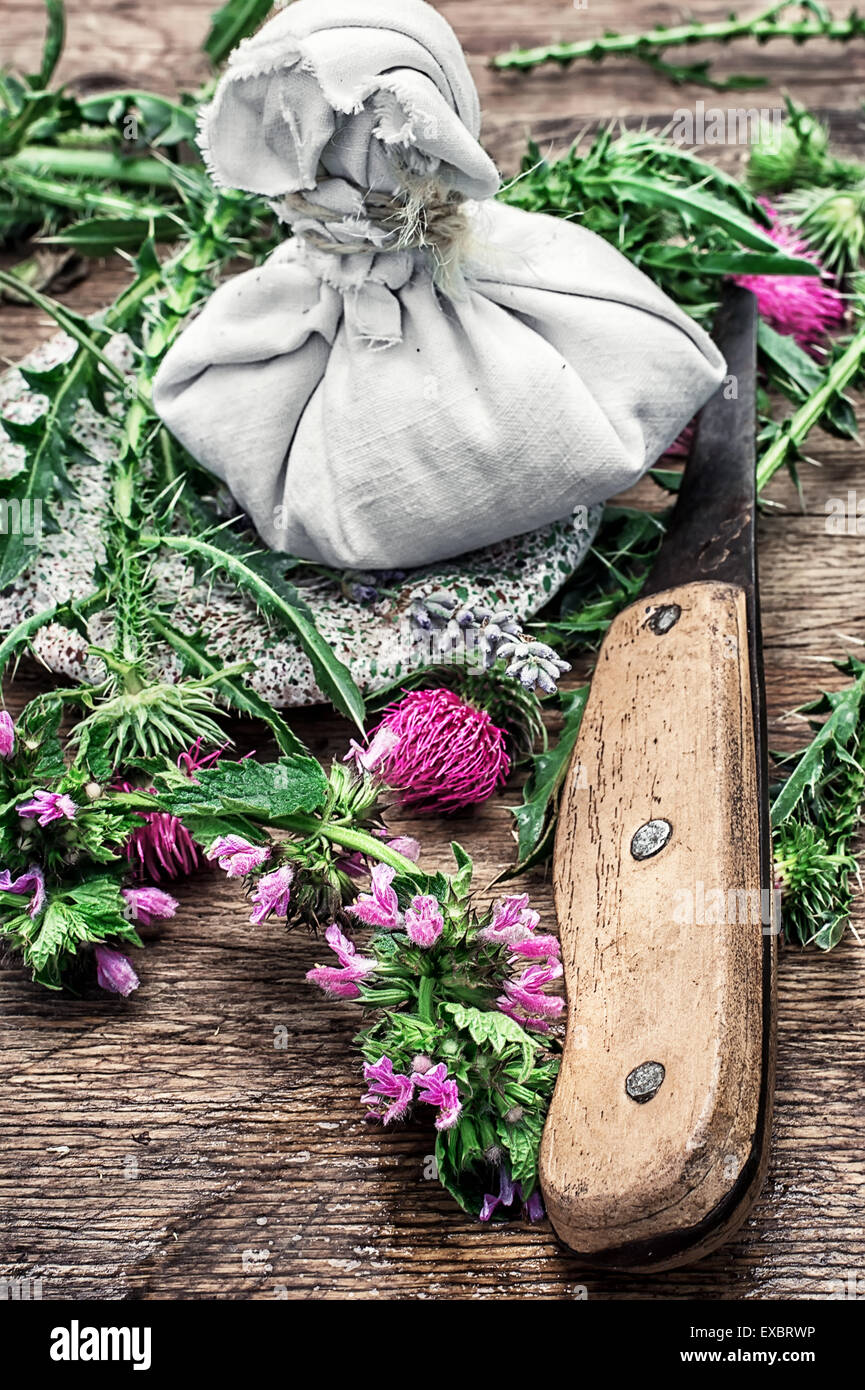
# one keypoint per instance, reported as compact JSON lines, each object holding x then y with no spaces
{"x":423,"y":217}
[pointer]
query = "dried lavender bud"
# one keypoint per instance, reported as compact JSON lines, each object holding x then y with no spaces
{"x":533,"y":664}
{"x":498,"y":627}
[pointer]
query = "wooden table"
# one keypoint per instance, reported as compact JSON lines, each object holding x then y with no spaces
{"x":205,"y":1139}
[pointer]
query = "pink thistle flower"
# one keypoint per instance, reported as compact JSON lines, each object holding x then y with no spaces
{"x":272,"y":894}
{"x":449,"y":754}
{"x":681,"y":447}
{"x":7,"y":735}
{"x":424,"y":921}
{"x":31,"y":880}
{"x":805,"y":307}
{"x":193,"y":759}
{"x":146,"y":905}
{"x":237,"y":857}
{"x":114,"y":971}
{"x":371,"y":758}
{"x":526,"y":992}
{"x":436,"y":1088}
{"x":379,"y":908}
{"x":386,"y":1084}
{"x":163,"y":847}
{"x":341,"y":982}
{"x":48,"y":806}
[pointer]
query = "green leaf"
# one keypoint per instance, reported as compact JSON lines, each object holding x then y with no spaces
{"x":101,"y":236}
{"x":55,"y":37}
{"x":235,"y":21}
{"x":785,"y":355}
{"x":461,"y":881}
{"x":496,"y":1031}
{"x":279,"y":601}
{"x":542,"y":790}
{"x":235,"y":692}
{"x":264,"y":792}
{"x":726,"y":262}
{"x":837,"y":732}
{"x":695,"y":206}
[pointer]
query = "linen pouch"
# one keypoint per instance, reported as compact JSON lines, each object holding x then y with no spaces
{"x":419,"y":370}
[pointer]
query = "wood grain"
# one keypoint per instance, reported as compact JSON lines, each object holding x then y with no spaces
{"x":178,"y":1145}
{"x":663,"y":955}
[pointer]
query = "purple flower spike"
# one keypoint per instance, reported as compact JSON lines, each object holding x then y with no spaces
{"x":424,"y":922}
{"x":237,"y":856}
{"x":48,"y":806}
{"x":114,"y":971}
{"x":7,"y":735}
{"x":341,"y":982}
{"x":379,"y":908}
{"x":435,"y":1088}
{"x":386,"y":1084}
{"x":506,"y":1196}
{"x":31,"y":881}
{"x":272,"y":895}
{"x":527,"y":991}
{"x":149,"y":904}
{"x":534,"y":1207}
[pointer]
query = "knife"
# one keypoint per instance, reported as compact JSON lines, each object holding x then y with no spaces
{"x":657,"y":1139}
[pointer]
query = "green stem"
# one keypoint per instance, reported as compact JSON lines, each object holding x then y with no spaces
{"x":425,"y":994}
{"x":761,"y":27}
{"x":70,"y":323}
{"x":138,"y":171}
{"x":358,"y":840}
{"x":83,"y":199}
{"x":799,"y":426}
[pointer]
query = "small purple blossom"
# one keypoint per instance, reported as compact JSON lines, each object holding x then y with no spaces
{"x":146,"y":905}
{"x":435,"y":1088}
{"x":377,"y":752}
{"x":514,"y":924}
{"x":386,"y":1084}
{"x":341,"y":981}
{"x":406,"y":846}
{"x":379,"y":908}
{"x":7,"y":735}
{"x":527,"y":990}
{"x":237,"y":856}
{"x":48,"y":806}
{"x":272,"y":894}
{"x":424,"y":921}
{"x":30,"y":881}
{"x":510,"y":1192}
{"x":114,"y":971}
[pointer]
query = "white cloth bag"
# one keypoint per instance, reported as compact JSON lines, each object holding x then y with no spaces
{"x":377,"y":396}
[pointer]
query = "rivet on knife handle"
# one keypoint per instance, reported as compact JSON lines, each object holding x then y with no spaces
{"x":657,"y":1137}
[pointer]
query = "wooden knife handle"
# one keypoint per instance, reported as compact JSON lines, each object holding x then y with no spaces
{"x":657,"y":1137}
